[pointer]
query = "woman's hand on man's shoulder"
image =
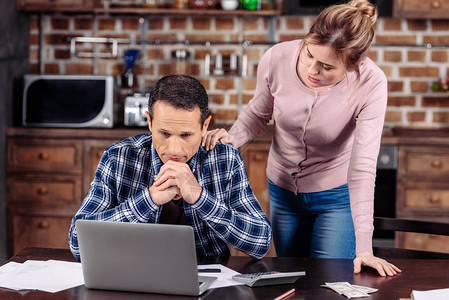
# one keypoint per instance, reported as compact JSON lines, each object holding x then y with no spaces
{"x":217,"y":135}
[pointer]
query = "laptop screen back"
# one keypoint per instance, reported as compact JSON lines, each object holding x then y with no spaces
{"x":140,"y":257}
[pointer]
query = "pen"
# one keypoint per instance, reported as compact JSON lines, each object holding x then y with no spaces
{"x":285,"y":295}
{"x":207,"y":270}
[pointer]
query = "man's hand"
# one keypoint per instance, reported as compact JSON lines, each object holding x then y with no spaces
{"x":213,"y":136}
{"x":161,"y":197}
{"x":175,"y":180}
{"x":381,"y":265}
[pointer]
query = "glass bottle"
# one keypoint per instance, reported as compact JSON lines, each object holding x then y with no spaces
{"x":251,"y":4}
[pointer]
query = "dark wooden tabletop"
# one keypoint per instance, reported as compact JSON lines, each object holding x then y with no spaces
{"x":417,"y":275}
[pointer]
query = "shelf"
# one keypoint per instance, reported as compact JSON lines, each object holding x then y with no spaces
{"x":187,"y":12}
{"x":162,"y":11}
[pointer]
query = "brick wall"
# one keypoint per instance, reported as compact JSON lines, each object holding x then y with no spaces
{"x":411,"y":70}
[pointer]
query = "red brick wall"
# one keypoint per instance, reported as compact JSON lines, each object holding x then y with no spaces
{"x":410,"y":70}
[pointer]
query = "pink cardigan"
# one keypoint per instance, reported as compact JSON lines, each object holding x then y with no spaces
{"x":321,"y":139}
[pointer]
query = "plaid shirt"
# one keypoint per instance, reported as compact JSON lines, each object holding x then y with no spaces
{"x":226,"y":212}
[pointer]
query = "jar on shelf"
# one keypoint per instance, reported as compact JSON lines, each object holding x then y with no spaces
{"x":211,"y":4}
{"x":251,"y":4}
{"x":182,"y":4}
{"x":198,"y":4}
{"x":181,"y":63}
{"x":150,"y":3}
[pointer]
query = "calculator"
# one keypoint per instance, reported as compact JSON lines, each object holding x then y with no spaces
{"x":268,"y":278}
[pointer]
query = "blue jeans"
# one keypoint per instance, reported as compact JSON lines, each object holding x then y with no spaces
{"x":312,"y":224}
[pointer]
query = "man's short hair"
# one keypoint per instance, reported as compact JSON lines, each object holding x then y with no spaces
{"x":180,"y":91}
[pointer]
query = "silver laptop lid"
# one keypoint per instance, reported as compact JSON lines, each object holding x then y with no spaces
{"x":139,"y":257}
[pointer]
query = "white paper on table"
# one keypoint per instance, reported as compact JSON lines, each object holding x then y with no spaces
{"x":439,"y":294}
{"x":5,"y":277}
{"x":49,"y":276}
{"x":224,"y":278}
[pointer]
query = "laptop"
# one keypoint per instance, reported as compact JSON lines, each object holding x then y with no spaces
{"x":140,"y":257}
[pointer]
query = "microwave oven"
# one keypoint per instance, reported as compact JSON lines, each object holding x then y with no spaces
{"x":75,"y":101}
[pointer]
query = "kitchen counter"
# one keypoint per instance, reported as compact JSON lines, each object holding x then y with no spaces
{"x":395,"y":136}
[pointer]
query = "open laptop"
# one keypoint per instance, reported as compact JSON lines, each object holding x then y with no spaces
{"x":140,"y":257}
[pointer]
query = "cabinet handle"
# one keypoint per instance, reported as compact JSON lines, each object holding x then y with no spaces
{"x":43,"y":156}
{"x":434,"y":199}
{"x":258,"y":157}
{"x":435,"y":4}
{"x":43,"y":225}
{"x":436,"y":164}
{"x":42,"y":191}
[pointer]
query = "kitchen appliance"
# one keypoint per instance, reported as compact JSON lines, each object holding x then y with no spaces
{"x":68,"y":101}
{"x":385,"y":189}
{"x":136,"y":104}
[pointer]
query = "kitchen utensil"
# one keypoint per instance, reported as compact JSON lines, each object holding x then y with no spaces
{"x":218,"y":67}
{"x":129,"y":77}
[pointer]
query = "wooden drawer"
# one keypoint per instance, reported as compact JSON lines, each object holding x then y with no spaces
{"x":421,"y":9}
{"x":39,"y":231}
{"x":423,"y":162}
{"x":425,"y":198}
{"x":422,"y":199}
{"x":61,"y":191}
{"x":45,"y":155}
{"x":425,"y":242}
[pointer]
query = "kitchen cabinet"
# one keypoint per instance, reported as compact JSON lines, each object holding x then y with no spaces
{"x":421,"y":9}
{"x":423,"y":189}
{"x":43,"y":190}
{"x":55,"y":5}
{"x":49,"y":172}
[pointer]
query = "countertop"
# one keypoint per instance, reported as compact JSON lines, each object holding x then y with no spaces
{"x":394,"y":136}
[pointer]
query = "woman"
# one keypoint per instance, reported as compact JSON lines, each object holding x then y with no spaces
{"x":328,"y":102}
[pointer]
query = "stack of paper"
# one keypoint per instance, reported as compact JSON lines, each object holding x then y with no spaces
{"x":440,"y":294}
{"x":50,"y":276}
{"x":349,"y":290}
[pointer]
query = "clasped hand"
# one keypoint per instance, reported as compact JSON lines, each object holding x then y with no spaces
{"x":174,"y":181}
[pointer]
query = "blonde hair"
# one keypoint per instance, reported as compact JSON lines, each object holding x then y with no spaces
{"x":348,"y":28}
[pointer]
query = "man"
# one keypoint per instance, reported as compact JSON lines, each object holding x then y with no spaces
{"x":166,"y":177}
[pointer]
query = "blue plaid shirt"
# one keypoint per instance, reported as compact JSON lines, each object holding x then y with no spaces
{"x":226,"y":212}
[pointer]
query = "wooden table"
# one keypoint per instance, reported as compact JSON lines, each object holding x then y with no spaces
{"x":417,"y":274}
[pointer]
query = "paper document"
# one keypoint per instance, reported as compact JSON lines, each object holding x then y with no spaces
{"x":49,"y":276}
{"x":440,"y":294}
{"x":224,"y":278}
